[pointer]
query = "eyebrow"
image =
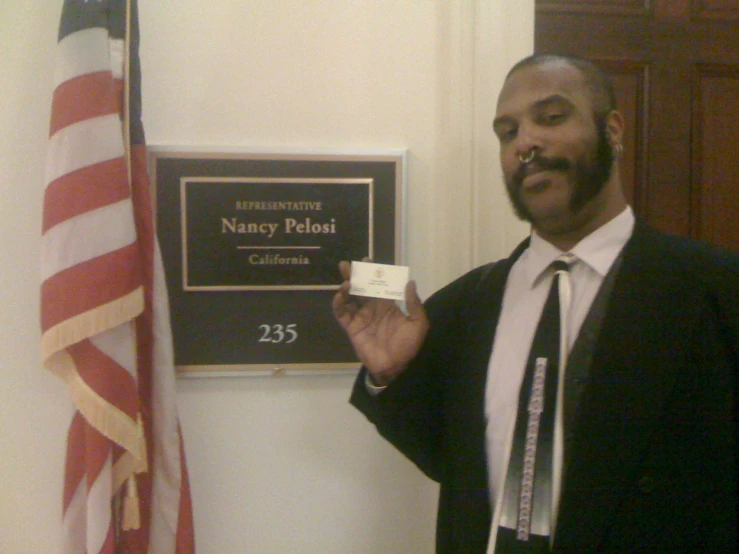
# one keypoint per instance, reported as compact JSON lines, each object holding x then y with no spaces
{"x":552,"y":100}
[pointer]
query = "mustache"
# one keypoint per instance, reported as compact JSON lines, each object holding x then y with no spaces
{"x":540,"y":163}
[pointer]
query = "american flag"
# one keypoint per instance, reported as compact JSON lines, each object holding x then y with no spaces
{"x":104,"y":311}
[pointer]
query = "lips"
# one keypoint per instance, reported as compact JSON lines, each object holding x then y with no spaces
{"x":535,"y":182}
{"x":530,"y":169}
{"x":538,"y":165}
{"x":531,"y":178}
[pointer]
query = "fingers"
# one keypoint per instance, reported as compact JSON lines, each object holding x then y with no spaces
{"x":413,"y":303}
{"x":341,"y":297}
{"x":344,"y":302}
{"x":342,"y":306}
{"x":345,"y":268}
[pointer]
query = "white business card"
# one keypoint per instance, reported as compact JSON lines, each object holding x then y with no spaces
{"x":379,"y":280}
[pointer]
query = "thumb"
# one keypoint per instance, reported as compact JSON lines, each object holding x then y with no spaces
{"x":412,"y":302}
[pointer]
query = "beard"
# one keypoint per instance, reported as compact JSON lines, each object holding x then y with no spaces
{"x":590,"y":174}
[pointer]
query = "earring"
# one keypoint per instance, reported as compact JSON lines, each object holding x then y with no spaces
{"x":618,"y":149}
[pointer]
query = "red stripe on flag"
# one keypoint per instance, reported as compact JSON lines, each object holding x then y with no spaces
{"x":107,"y":378}
{"x":97,"y":452}
{"x":109,"y":544}
{"x":87,"y":453}
{"x":137,"y":540}
{"x":75,"y":467}
{"x":85,"y":97}
{"x":185,"y":529}
{"x":88,"y":285}
{"x":86,"y":189}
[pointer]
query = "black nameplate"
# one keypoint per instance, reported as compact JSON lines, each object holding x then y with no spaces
{"x":251,"y":245}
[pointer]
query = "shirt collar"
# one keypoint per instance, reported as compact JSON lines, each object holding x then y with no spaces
{"x":598,"y":250}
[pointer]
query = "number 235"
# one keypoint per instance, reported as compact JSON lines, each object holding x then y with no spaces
{"x":278,"y":333}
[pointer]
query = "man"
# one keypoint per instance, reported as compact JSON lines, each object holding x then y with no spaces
{"x":644,"y":439}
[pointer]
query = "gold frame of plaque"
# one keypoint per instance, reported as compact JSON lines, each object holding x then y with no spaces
{"x":251,"y":243}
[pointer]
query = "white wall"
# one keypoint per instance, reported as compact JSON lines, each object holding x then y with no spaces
{"x":277,"y":464}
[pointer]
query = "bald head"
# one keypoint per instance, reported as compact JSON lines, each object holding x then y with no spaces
{"x":597,"y":81}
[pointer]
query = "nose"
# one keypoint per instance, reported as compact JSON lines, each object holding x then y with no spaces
{"x":528,"y":141}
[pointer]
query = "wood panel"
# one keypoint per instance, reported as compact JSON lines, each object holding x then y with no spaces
{"x":715,"y":162}
{"x":715,"y":9}
{"x":683,"y":57}
{"x":617,"y":7}
{"x":629,"y":81}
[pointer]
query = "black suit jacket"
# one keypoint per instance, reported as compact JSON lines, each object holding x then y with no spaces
{"x":650,"y":446}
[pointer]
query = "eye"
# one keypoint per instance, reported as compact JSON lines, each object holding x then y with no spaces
{"x":506,"y":134}
{"x":552,"y":118}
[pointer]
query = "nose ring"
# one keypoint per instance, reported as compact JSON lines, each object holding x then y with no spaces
{"x":528,"y":158}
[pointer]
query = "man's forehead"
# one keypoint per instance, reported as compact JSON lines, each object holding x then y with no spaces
{"x":533,"y":83}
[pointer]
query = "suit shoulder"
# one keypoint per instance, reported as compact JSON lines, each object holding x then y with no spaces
{"x":693,"y":273}
{"x":464,"y":287}
{"x":706,"y":259}
{"x":697,"y":261}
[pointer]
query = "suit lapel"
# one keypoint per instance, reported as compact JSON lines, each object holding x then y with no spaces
{"x":482,"y":316}
{"x":631,"y":376}
{"x":464,"y":408}
{"x":474,"y":341}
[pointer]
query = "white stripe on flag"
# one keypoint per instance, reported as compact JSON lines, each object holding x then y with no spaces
{"x":87,"y":236}
{"x":74,"y":522}
{"x":99,"y":508}
{"x":83,"y":144}
{"x":80,"y":53}
{"x":167,"y":470}
{"x":119,"y":344}
{"x":117,"y":57}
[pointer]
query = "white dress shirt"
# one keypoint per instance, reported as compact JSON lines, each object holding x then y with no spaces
{"x":523,"y":300}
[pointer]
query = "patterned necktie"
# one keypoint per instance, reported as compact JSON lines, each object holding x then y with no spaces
{"x":529,"y":501}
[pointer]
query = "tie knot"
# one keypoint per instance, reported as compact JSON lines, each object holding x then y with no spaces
{"x":564,"y":262}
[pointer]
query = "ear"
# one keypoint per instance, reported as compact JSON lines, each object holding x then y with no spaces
{"x":615,"y":127}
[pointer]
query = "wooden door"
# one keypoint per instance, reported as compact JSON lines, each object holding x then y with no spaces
{"x":675,"y":65}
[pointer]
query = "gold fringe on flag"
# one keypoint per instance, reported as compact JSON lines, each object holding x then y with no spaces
{"x":131,"y":466}
{"x":100,"y":414}
{"x":91,"y":323}
{"x":131,"y":513}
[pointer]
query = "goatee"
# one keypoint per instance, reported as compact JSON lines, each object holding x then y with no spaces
{"x":590,"y":174}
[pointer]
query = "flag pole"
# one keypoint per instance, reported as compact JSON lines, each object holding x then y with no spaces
{"x":130,"y":506}
{"x":127,"y":93}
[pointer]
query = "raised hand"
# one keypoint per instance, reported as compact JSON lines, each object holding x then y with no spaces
{"x":384,"y":338}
